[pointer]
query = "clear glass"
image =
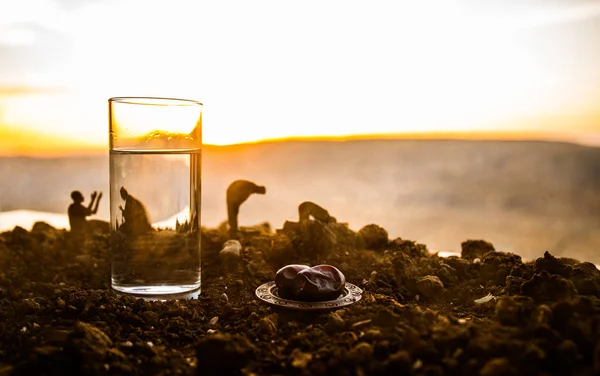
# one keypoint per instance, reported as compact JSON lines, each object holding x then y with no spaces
{"x":155,"y":189}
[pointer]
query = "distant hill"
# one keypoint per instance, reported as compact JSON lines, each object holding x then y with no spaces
{"x":524,"y":196}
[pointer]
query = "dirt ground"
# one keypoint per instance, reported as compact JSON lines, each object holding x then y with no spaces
{"x":419,"y":314}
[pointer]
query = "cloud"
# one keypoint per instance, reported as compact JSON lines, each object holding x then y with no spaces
{"x":510,"y":15}
{"x":17,"y":36}
{"x":12,"y":90}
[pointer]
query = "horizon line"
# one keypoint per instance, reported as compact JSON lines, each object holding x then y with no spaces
{"x":481,"y":136}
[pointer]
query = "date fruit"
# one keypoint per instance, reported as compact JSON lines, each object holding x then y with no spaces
{"x":284,"y":279}
{"x":319,"y":283}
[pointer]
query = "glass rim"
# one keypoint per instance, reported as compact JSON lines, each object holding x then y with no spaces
{"x":155,"y":101}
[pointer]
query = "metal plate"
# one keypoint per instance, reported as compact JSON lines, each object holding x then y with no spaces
{"x":268,"y":293}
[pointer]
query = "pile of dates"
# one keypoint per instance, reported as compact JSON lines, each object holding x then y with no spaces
{"x":310,"y":284}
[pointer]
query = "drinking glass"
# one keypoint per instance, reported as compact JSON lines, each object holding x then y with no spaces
{"x":155,"y":185}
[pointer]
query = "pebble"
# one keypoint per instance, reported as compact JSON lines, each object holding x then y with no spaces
{"x":360,"y":324}
{"x":508,"y":311}
{"x":430,"y":286}
{"x":300,"y":359}
{"x":335,"y":322}
{"x":375,"y":237}
{"x":362,"y":351}
{"x":231,"y":253}
{"x":213,"y":322}
{"x":268,"y":325}
{"x":150,"y":317}
{"x":497,"y":367}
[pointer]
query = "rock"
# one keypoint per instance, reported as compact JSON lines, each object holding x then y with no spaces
{"x":472,"y":249}
{"x":86,"y":261}
{"x":89,"y":347}
{"x":346,"y":239}
{"x":508,"y":311}
{"x":335,"y":322}
{"x":498,"y":367}
{"x":461,"y":266}
{"x":544,"y":287}
{"x":586,"y":279}
{"x":28,"y":307}
{"x":496,"y":266}
{"x":317,"y":240}
{"x":447,"y":274}
{"x":362,"y":351}
{"x":522,"y":270}
{"x":514,"y":310}
{"x":552,"y":265}
{"x":268,"y":325}
{"x":405,"y":269}
{"x":542,"y":314}
{"x":150,"y":317}
{"x":409,"y":248}
{"x":223,"y":354}
{"x":399,"y":363}
{"x":42,"y":227}
{"x":430,"y":287}
{"x":231,"y":248}
{"x":97,"y":227}
{"x":21,"y":238}
{"x":290,"y":228}
{"x":513,"y":285}
{"x":597,"y":358}
{"x":56,"y":336}
{"x":300,"y":359}
{"x":278,"y":250}
{"x":214,"y":323}
{"x":231,"y":254}
{"x":374,"y":237}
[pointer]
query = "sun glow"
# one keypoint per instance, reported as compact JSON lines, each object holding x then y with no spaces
{"x":387,"y":68}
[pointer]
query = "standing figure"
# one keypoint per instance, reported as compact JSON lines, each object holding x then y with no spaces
{"x":78,"y":213}
{"x":135,"y":219}
{"x":237,"y":193}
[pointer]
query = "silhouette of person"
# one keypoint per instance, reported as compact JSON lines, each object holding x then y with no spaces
{"x":309,"y":209}
{"x":135,"y":219}
{"x":78,"y":213}
{"x":237,"y":193}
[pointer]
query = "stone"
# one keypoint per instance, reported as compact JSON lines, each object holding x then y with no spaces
{"x":553,"y":265}
{"x":586,"y":279}
{"x":508,"y":311}
{"x":498,"y":367}
{"x":472,"y":249}
{"x":335,"y":322}
{"x":430,"y":286}
{"x":223,"y":354}
{"x":545,"y":287}
{"x":375,"y":237}
{"x":230,"y":255}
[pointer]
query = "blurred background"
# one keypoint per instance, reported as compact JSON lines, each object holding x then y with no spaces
{"x":439,"y":120}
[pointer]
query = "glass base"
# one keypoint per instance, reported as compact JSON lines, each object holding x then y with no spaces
{"x":160,"y":292}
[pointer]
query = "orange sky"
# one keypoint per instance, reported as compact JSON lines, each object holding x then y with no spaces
{"x":272,"y":70}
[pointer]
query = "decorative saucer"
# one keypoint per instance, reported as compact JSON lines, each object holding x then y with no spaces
{"x":268,"y":292}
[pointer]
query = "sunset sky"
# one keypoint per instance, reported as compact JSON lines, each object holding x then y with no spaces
{"x":276,"y":69}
